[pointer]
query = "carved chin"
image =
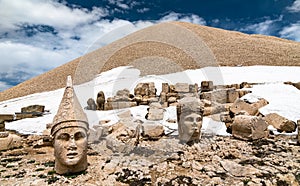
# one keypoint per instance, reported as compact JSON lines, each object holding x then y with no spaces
{"x":72,"y":161}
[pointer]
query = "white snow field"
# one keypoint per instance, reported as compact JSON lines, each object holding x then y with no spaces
{"x":283,"y":99}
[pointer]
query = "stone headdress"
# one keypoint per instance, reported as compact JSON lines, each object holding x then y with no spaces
{"x":69,"y":110}
{"x":189,"y":105}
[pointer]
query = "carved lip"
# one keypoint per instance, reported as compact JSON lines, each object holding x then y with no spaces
{"x":72,"y":154}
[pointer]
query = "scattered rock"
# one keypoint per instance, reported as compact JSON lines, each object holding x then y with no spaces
{"x":280,"y":123}
{"x":152,"y":131}
{"x":238,"y":170}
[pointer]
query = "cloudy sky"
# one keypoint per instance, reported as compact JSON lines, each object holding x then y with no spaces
{"x":39,"y":35}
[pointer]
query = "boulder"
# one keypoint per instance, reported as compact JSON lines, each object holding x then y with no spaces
{"x":33,"y":108}
{"x":249,"y":127}
{"x":155,"y":112}
{"x":152,"y":131}
{"x":280,"y":123}
{"x":219,"y":96}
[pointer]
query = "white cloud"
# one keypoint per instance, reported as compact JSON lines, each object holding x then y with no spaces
{"x":52,"y":13}
{"x":143,"y":10}
{"x":266,"y":27}
{"x":74,"y":31}
{"x":295,"y":7}
{"x":185,"y":18}
{"x":291,"y":32}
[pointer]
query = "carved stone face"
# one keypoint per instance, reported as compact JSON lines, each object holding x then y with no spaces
{"x":70,"y":150}
{"x":190,"y":127}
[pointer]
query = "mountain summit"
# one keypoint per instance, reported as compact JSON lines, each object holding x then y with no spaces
{"x":166,"y":48}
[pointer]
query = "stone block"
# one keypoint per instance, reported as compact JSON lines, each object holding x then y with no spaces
{"x":241,"y":106}
{"x":155,"y":114}
{"x":249,"y":127}
{"x":243,"y":92}
{"x":182,"y":87}
{"x":165,"y":88}
{"x":214,"y":110}
{"x":193,"y":88}
{"x":152,"y":131}
{"x":206,"y":86}
{"x":7,"y":117}
{"x":219,"y":96}
{"x":10,"y":142}
{"x":232,"y":95}
{"x":280,"y":123}
{"x":33,"y":108}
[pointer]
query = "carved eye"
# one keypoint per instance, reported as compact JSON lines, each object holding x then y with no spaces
{"x":79,"y":135}
{"x":198,"y":119}
{"x":189,"y":119}
{"x":64,"y":136}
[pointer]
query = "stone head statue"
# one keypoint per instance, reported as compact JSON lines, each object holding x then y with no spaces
{"x":70,"y":134}
{"x":189,"y":116}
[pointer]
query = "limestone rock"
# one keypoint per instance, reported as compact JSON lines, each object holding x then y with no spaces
{"x":281,"y":123}
{"x":10,"y":142}
{"x":232,"y":95}
{"x":251,"y":108}
{"x":235,"y":169}
{"x":6,"y":117}
{"x":249,"y":127}
{"x":182,"y":87}
{"x":33,"y":108}
{"x":152,"y":131}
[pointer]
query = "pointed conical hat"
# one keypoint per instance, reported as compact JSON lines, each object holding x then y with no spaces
{"x":70,"y":112}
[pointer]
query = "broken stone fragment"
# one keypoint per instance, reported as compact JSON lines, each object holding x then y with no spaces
{"x":10,"y":142}
{"x":249,"y":127}
{"x":237,"y":170}
{"x":206,"y":86}
{"x":280,"y":123}
{"x":152,"y":131}
{"x":251,"y":108}
{"x":33,"y":108}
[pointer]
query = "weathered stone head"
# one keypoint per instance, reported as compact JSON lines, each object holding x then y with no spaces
{"x":70,"y":134}
{"x":189,"y":116}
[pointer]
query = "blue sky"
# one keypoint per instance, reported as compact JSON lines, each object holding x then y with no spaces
{"x":39,"y":35}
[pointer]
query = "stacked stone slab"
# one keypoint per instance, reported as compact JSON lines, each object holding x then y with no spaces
{"x":145,"y":93}
{"x":170,"y":94}
{"x":241,"y":107}
{"x":123,"y":99}
{"x":227,"y":95}
{"x":30,"y":111}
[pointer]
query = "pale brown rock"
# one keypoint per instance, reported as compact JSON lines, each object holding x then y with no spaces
{"x":280,"y":123}
{"x":33,"y":108}
{"x":91,"y":104}
{"x":100,"y":100}
{"x":249,"y":127}
{"x":298,"y":136}
{"x":182,"y":87}
{"x":235,"y":169}
{"x":152,"y":131}
{"x":232,"y":95}
{"x":251,"y":108}
{"x":10,"y":141}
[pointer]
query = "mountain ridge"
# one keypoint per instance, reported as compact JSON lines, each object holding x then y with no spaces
{"x":167,"y":48}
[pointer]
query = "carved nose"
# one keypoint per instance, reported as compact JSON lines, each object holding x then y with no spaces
{"x":72,"y":145}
